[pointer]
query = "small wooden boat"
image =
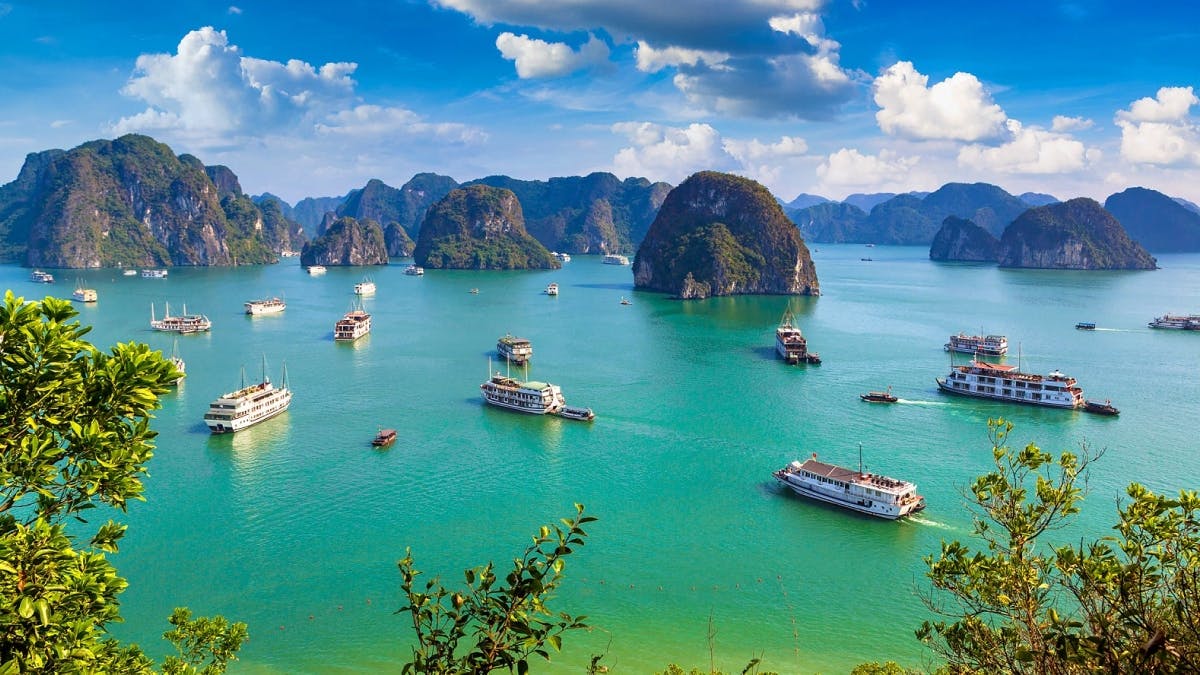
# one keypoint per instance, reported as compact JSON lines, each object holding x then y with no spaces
{"x":573,"y":413}
{"x":384,"y":438}
{"x":879,"y":396}
{"x":865,"y":259}
{"x":1105,"y":408}
{"x":1085,"y":325}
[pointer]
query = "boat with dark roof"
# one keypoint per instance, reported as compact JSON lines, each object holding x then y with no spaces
{"x":1005,"y":383}
{"x":1099,"y":408}
{"x":355,"y":324}
{"x":860,"y":491}
{"x":790,"y":343}
{"x":513,"y":349}
{"x":1085,"y":325}
{"x":879,"y":396}
{"x":384,"y":438}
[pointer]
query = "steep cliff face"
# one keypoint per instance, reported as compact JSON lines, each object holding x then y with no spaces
{"x":279,"y":232}
{"x":719,"y":234}
{"x":1156,"y":221}
{"x":225,"y":180}
{"x":399,"y":244}
{"x":597,"y":213}
{"x":407,"y":205}
{"x":479,"y":227}
{"x":830,"y":222}
{"x":962,"y":240}
{"x":1077,"y":234}
{"x":347,"y":241}
{"x":129,"y":201}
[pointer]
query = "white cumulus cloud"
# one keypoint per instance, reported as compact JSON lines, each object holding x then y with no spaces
{"x":537,"y":58}
{"x":378,"y":122}
{"x":1063,"y":123}
{"x":209,"y":87}
{"x":849,"y":168}
{"x":1160,"y":130}
{"x":957,"y":108}
{"x":757,"y":58}
{"x":651,"y":60}
{"x":1032,"y":150}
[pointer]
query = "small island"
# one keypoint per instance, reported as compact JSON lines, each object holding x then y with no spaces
{"x":1074,"y":235}
{"x":479,"y":227}
{"x":347,"y":241}
{"x":960,"y":239}
{"x":720,"y":234}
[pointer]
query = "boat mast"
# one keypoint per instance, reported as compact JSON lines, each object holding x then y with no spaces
{"x":860,"y":468}
{"x":264,"y":369}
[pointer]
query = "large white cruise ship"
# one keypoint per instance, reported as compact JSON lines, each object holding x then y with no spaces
{"x":181,"y":323}
{"x":247,"y":406}
{"x":264,"y":306}
{"x":1005,"y":383}
{"x":355,"y":324}
{"x":614,"y":259}
{"x":855,"y":490}
{"x":538,"y":398}
{"x":988,"y":345}
{"x":1176,"y":322}
{"x":514,"y":349}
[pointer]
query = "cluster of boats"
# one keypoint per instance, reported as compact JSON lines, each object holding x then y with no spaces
{"x":1176,"y":322}
{"x":528,"y":396}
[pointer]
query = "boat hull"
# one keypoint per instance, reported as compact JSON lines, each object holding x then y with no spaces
{"x":871,"y":508}
{"x":1000,"y":397}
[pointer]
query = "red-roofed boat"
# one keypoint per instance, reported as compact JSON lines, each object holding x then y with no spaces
{"x":1002,"y":382}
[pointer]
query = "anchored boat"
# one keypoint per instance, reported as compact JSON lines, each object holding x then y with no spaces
{"x":868,"y":493}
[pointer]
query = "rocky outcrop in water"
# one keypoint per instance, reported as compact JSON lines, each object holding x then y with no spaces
{"x":347,"y":241}
{"x":479,"y":227}
{"x":962,"y":240}
{"x":598,"y":213}
{"x":1077,"y":234}
{"x":129,"y":201}
{"x":720,"y":234}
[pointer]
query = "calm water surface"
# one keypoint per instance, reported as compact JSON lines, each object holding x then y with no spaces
{"x":295,"y":525}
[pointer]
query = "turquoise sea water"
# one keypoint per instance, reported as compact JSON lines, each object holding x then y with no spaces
{"x":295,"y":525}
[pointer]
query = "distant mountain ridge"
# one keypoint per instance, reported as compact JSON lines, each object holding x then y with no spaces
{"x":910,"y":218}
{"x":1156,"y":221}
{"x":598,"y":213}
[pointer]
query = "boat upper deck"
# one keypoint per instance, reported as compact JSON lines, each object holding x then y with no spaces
{"x":844,"y":475}
{"x":1010,"y":372}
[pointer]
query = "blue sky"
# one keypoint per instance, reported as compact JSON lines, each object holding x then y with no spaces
{"x":835,"y":97}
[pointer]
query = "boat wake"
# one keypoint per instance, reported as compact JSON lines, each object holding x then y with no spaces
{"x":921,"y":520}
{"x":911,"y":402}
{"x":1117,"y":330}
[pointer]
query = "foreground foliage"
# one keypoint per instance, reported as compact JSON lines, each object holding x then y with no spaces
{"x":1125,"y":603}
{"x":74,"y":435}
{"x":491,"y":625}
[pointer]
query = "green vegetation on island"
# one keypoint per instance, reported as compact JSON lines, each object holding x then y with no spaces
{"x":962,"y":240}
{"x":720,"y":234}
{"x":405,"y":206}
{"x":598,"y":213}
{"x":347,"y":241}
{"x":1077,"y":234}
{"x":129,"y":201}
{"x":479,"y":227}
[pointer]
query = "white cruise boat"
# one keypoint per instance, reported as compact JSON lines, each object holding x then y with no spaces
{"x":988,"y":345}
{"x":355,"y":324}
{"x":414,"y":271}
{"x":40,"y":277}
{"x":1176,"y":322}
{"x":315,"y":270}
{"x":289,"y":254}
{"x":516,"y":350}
{"x":552,"y":289}
{"x":84,"y":294}
{"x":364,"y":287}
{"x":561,"y":257}
{"x":265,"y":306}
{"x":129,"y":273}
{"x":790,"y":343}
{"x":1005,"y":383}
{"x":868,"y":493}
{"x":538,"y":398}
{"x":154,"y":274}
{"x":184,"y":323}
{"x":614,"y":259}
{"x":248,"y":406}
